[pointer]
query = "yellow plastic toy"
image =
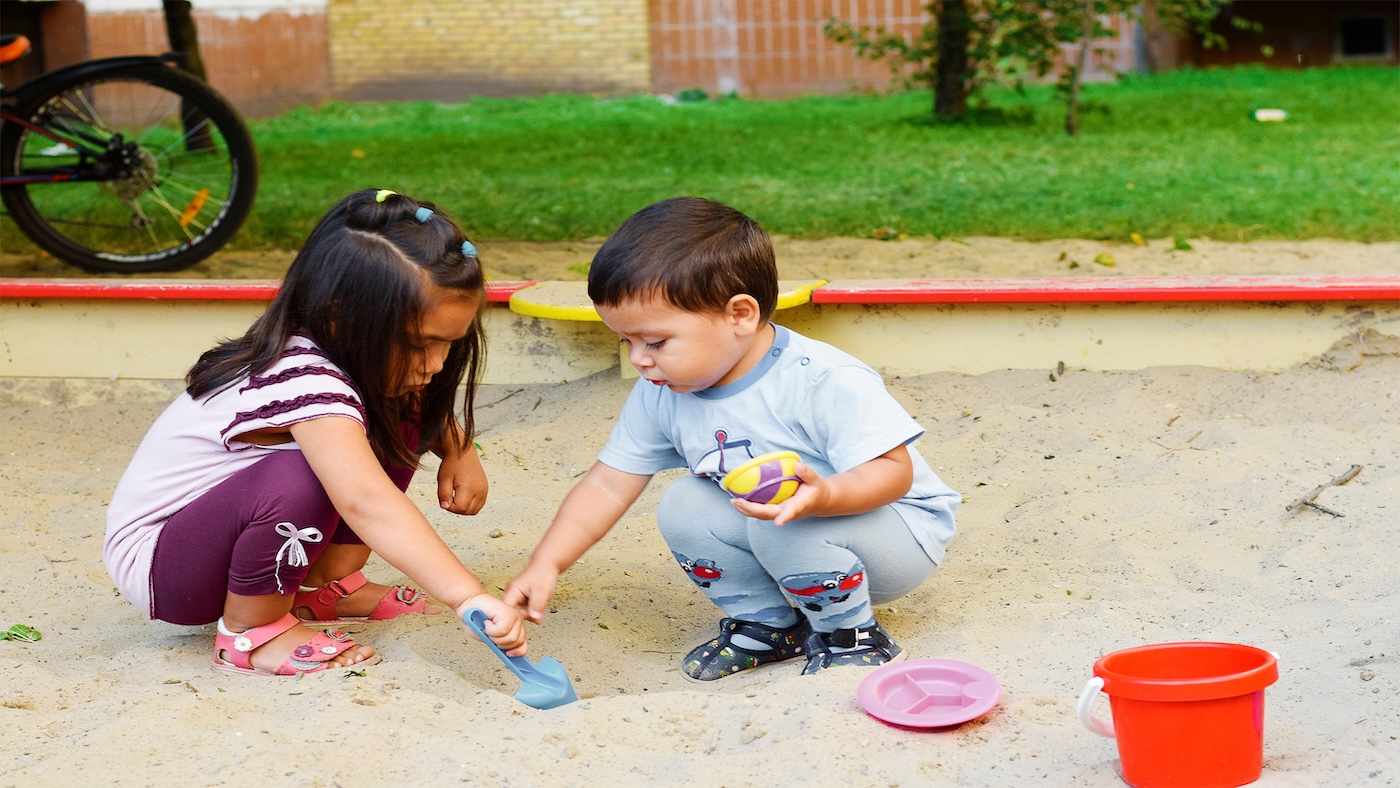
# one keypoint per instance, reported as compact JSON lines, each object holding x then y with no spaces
{"x":767,"y":478}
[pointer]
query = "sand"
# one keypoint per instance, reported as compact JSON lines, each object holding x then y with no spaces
{"x":864,"y":258}
{"x":1103,"y":510}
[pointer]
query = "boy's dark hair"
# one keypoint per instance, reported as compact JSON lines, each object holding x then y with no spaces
{"x":359,"y":288}
{"x":695,"y":253}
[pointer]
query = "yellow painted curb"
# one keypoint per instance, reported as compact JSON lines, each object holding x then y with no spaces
{"x":791,"y":294}
{"x":555,"y":301}
{"x":569,"y":300}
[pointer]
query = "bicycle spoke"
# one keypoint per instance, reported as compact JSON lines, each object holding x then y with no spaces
{"x":158,"y":197}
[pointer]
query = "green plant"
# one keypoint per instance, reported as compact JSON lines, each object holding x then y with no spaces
{"x":967,"y":45}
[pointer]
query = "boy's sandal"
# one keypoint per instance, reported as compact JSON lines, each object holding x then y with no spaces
{"x":313,"y":656}
{"x":397,"y":601}
{"x":720,"y":657}
{"x":862,"y":646}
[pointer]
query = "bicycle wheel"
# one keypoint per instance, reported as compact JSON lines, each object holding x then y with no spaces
{"x":158,"y":171}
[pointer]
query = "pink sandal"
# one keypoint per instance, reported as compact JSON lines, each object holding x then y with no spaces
{"x":313,"y":656}
{"x":399,"y":601}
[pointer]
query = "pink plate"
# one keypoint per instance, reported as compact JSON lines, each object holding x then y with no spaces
{"x":928,"y":693}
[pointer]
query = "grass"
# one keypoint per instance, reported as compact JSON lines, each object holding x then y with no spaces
{"x":1164,"y":155}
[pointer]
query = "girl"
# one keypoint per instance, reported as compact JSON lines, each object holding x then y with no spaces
{"x":257,"y":497}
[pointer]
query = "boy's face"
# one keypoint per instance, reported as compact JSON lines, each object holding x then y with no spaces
{"x":688,"y":351}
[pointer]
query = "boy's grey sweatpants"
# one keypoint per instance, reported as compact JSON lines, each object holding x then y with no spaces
{"x":829,"y":568}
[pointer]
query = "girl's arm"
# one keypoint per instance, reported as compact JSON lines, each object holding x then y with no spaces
{"x":588,"y":512}
{"x":391,"y":525}
{"x":863,"y":488}
{"x":461,"y":479}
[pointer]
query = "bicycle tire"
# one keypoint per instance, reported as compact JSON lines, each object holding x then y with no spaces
{"x":192,"y":189}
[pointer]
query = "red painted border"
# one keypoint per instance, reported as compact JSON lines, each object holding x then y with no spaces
{"x":1124,"y":289}
{"x":180,"y":289}
{"x":1109,"y":289}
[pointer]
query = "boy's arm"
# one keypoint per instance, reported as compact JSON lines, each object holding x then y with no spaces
{"x":391,"y":525}
{"x":462,"y":484}
{"x":867,"y":486}
{"x":588,"y":512}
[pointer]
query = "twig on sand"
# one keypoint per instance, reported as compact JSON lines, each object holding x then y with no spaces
{"x":1309,"y":499}
{"x":502,"y":399}
{"x":1170,"y":449}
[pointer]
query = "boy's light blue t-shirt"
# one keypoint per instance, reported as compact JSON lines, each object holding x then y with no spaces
{"x":805,"y":396}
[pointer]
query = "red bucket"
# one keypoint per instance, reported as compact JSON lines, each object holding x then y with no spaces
{"x":1186,"y":715}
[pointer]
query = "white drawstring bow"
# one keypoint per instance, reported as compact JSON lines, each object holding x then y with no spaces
{"x":296,"y":554}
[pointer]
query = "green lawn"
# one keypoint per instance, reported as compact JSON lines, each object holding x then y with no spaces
{"x":1164,"y":155}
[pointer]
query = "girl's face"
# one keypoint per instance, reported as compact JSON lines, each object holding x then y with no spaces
{"x":448,"y":319}
{"x":687,"y":351}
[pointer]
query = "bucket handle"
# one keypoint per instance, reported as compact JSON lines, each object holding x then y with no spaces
{"x":1086,"y":709}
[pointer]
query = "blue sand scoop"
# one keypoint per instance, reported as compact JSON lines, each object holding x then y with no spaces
{"x":544,"y":686}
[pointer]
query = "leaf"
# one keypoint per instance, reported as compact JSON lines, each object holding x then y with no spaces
{"x":1137,"y":239}
{"x":22,"y":633}
{"x":1105,"y":259}
{"x":1180,"y":244}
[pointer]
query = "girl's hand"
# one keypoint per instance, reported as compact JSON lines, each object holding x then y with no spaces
{"x":809,"y":500}
{"x":531,"y":589}
{"x":462,"y":482}
{"x":505,"y":625}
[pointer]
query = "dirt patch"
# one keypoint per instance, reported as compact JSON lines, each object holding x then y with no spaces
{"x":861,"y":258}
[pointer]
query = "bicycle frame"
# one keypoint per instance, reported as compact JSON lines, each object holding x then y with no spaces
{"x":90,"y":150}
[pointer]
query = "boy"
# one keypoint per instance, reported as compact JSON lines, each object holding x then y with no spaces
{"x":689,"y":286}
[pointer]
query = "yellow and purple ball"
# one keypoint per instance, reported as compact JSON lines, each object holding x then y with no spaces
{"x":768,"y":478}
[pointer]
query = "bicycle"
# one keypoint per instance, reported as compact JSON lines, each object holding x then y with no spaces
{"x":125,"y":164}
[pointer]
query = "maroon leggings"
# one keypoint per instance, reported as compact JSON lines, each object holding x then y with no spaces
{"x":239,"y":537}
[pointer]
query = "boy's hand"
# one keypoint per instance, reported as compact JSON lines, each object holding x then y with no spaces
{"x":531,"y":590}
{"x":867,"y":486}
{"x":505,"y":625}
{"x":462,"y":482}
{"x":809,"y":500}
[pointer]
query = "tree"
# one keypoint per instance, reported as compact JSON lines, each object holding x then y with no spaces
{"x":950,"y":71}
{"x":184,"y":41}
{"x":969,"y":44}
{"x":184,"y":35}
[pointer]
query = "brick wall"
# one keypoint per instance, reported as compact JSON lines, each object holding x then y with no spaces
{"x":271,"y":55}
{"x":263,"y":64}
{"x":770,"y":48}
{"x":451,"y":49}
{"x":774,"y":48}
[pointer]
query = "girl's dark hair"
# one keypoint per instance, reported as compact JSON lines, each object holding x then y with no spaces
{"x":695,"y":253}
{"x":359,"y":289}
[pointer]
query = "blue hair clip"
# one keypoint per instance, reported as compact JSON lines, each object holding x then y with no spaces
{"x":423,"y":214}
{"x":468,"y":249}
